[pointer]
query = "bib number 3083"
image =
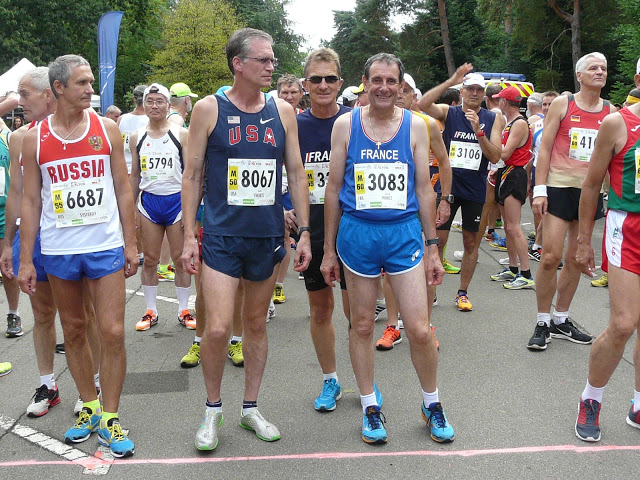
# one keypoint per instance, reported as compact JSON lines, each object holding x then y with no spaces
{"x":381,"y":185}
{"x":80,"y":202}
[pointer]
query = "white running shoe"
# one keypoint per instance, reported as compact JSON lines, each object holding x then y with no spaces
{"x":264,"y":430}
{"x":207,"y":435}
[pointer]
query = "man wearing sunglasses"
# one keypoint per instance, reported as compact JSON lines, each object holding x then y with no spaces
{"x":244,"y":137}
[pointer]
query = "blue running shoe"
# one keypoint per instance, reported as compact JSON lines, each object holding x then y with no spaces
{"x":87,"y":423}
{"x":378,"y":394}
{"x":436,"y":420}
{"x":112,"y":436}
{"x":373,"y":425}
{"x":331,"y":392}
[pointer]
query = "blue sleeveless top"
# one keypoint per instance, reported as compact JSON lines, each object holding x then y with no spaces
{"x":241,"y":135}
{"x":362,"y":149}
{"x":468,"y":184}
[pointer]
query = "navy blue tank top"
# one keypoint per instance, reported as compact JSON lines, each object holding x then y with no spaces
{"x":469,"y":181}
{"x":386,"y":184}
{"x":314,"y":135}
{"x":243,"y":172}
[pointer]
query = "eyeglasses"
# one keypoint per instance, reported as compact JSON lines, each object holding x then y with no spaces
{"x":327,"y":78}
{"x":264,"y":60}
{"x":150,"y":103}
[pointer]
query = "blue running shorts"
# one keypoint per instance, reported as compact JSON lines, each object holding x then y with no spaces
{"x":41,"y":275}
{"x":161,"y":209}
{"x":250,"y":258}
{"x":366,"y":248}
{"x":91,"y":265}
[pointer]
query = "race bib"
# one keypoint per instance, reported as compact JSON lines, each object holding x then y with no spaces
{"x":251,"y":182}
{"x":80,"y":202}
{"x":381,"y":185}
{"x":125,"y":139}
{"x":317,"y":178}
{"x":3,"y":178}
{"x":465,"y":155}
{"x":637,"y":190}
{"x":157,"y":167}
{"x":582,"y":143}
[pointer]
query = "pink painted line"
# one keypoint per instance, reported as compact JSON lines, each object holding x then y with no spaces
{"x":94,"y":462}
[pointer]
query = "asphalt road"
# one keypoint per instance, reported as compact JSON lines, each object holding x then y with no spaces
{"x":513,"y":410}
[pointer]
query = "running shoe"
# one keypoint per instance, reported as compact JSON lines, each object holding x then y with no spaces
{"x":14,"y":326}
{"x":540,"y":337}
{"x":433,"y":330}
{"x":5,"y":369}
{"x":42,"y":400}
{"x":490,"y":236}
{"x":331,"y":393}
{"x":588,"y":422}
{"x":499,"y":223}
{"x":147,"y":321}
{"x":532,"y":236}
{"x":271,"y":313}
{"x":400,"y":322}
{"x":535,"y":254}
{"x":500,"y":243}
{"x":448,"y":268}
{"x":633,"y":418}
{"x":256,"y":423}
{"x":60,"y":348}
{"x":300,"y":276}
{"x":505,"y":275}
{"x":457,"y":224}
{"x":112,"y":436}
{"x":435,"y":300}
{"x":458,"y":254}
{"x":235,"y":354}
{"x":380,"y":307}
{"x":207,"y":435}
{"x":463,"y":303}
{"x":568,"y":331}
{"x":519,"y":283}
{"x":603,"y":281}
{"x":87,"y":423}
{"x":505,"y":262}
{"x":441,"y":431}
{"x":192,"y":358}
{"x":373,"y":421}
{"x":77,"y":408}
{"x":379,"y":398}
{"x":390,"y":337}
{"x":278,"y":294}
{"x":187,"y":320}
{"x":165,"y":274}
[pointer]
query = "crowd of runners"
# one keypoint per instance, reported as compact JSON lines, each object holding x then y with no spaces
{"x":364,"y":182}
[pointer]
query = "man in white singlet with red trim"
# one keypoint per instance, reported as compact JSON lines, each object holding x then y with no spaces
{"x":75,"y":185}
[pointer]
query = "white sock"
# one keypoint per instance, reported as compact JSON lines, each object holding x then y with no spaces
{"x":197,"y":339}
{"x":235,"y":339}
{"x":559,"y":317}
{"x":636,"y":400}
{"x":150,"y":294}
{"x":367,"y":401}
{"x":183,"y":298}
{"x":592,"y":393}
{"x":96,"y":380}
{"x":429,"y":398}
{"x":48,"y":380}
{"x":544,"y":317}
{"x":329,"y":376}
{"x":15,"y":312}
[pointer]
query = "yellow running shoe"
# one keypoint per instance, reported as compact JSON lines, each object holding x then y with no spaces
{"x":165,"y":274}
{"x":463,"y":303}
{"x":192,"y":358}
{"x":278,"y":294}
{"x":5,"y":369}
{"x":603,"y":281}
{"x":235,"y":354}
{"x":448,"y":268}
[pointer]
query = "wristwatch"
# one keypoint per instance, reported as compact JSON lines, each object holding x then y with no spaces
{"x":448,"y":198}
{"x":303,"y":229}
{"x":432,"y":241}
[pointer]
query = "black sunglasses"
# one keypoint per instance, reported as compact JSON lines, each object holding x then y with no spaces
{"x":327,"y":78}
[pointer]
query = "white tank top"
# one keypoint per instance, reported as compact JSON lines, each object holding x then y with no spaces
{"x":161,"y":162}
{"x":129,"y":123}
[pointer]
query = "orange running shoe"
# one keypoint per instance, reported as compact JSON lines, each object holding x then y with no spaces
{"x":147,"y":321}
{"x":185,"y":318}
{"x":390,"y":337}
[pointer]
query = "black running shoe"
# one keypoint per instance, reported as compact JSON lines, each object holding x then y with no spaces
{"x":540,"y":337}
{"x":14,"y":326}
{"x":568,"y":331}
{"x":588,"y":422}
{"x":60,"y":348}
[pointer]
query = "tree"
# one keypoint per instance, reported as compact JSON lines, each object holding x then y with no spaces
{"x":446,"y":41}
{"x":574,"y":20}
{"x":194,"y":51}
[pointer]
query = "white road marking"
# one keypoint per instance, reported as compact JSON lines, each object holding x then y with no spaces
{"x":191,"y":304}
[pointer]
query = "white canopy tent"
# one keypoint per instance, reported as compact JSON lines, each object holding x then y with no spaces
{"x":9,"y":80}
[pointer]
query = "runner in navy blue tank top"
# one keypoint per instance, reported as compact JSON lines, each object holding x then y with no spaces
{"x":240,"y":139}
{"x":386,"y":150}
{"x":473,"y":139}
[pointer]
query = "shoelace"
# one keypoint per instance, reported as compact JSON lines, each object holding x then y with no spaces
{"x":278,"y":291}
{"x":186,"y":317}
{"x":42,"y":393}
{"x":375,"y":418}
{"x":83,"y":418}
{"x":437,"y":416}
{"x":329,"y":388}
{"x":116,"y":432}
{"x":587,"y":413}
{"x":12,"y":322}
{"x":147,"y":318}
{"x":463,"y":298}
{"x":389,"y":332}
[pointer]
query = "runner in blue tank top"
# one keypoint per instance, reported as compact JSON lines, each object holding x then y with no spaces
{"x":241,"y":139}
{"x":380,"y":180}
{"x":473,"y":138}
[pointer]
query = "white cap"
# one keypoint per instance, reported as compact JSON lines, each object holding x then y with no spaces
{"x":410,"y":81}
{"x":348,"y":94}
{"x":638,"y":66}
{"x":157,"y":88}
{"x":473,"y":79}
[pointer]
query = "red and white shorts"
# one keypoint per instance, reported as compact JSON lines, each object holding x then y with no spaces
{"x":621,"y":241}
